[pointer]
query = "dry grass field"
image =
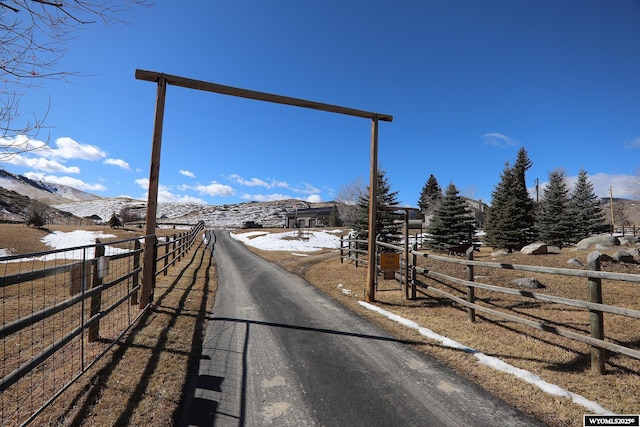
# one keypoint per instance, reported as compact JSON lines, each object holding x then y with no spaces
{"x":142,"y":381}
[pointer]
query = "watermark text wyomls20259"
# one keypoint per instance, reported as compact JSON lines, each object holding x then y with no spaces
{"x":612,"y":420}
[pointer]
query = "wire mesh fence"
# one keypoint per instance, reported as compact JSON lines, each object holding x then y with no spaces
{"x":59,"y":311}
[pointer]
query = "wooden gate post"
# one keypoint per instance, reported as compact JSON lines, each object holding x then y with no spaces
{"x":471,"y":297}
{"x":148,"y":269}
{"x":414,"y":262}
{"x":406,"y":254}
{"x":370,"y":295}
{"x":598,"y":355}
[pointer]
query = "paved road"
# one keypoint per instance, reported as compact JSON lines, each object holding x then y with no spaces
{"x":278,"y":352}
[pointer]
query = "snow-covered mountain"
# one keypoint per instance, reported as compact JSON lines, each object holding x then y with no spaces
{"x":42,"y":191}
{"x":269,"y":214}
{"x":33,"y":195}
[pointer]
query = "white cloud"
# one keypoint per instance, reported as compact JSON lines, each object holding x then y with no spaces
{"x":634,"y":143}
{"x":265,"y":197}
{"x":623,"y":186}
{"x":118,"y":162}
{"x":215,"y":189}
{"x":42,"y":164}
{"x":65,"y":180}
{"x":38,"y":155}
{"x":187,"y":173}
{"x":257,"y":182}
{"x":498,"y":139}
{"x":306,"y":189}
{"x":314,"y":198}
{"x":22,"y":143}
{"x":67,"y":148}
{"x":143,"y":183}
{"x":165,"y":194}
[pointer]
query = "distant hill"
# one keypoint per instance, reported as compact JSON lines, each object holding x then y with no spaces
{"x":269,"y":214}
{"x":15,"y":207}
{"x":43,"y":191}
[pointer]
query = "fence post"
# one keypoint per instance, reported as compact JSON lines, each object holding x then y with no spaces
{"x":356,"y":252}
{"x":136,"y":275}
{"x":471,"y":297}
{"x":414,"y":261}
{"x":406,"y":255}
{"x":598,"y":354}
{"x":148,"y":269}
{"x":96,"y":299}
{"x":175,"y":243}
{"x":166,"y":255}
{"x":341,"y":251}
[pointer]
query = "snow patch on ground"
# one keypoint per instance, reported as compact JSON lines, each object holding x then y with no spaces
{"x":74,"y":239}
{"x":493,"y":362}
{"x":309,"y":241}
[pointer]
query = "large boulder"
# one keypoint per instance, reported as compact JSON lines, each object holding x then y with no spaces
{"x":603,"y":241}
{"x":628,"y":240}
{"x":623,"y":256}
{"x":535,"y":249}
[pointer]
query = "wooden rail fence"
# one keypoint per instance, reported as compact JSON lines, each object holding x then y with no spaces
{"x":592,"y":274}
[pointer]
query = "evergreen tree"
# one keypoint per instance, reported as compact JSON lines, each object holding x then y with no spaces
{"x":430,"y":195}
{"x":499,"y":228}
{"x":452,"y":222}
{"x":555,"y":221}
{"x":511,"y":222}
{"x":334,"y":218}
{"x":585,"y":209}
{"x":35,"y":219}
{"x":114,"y":221}
{"x":385,"y":226}
{"x":525,"y":208}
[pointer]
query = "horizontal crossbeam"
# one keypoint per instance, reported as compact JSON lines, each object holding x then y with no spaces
{"x":153,"y":76}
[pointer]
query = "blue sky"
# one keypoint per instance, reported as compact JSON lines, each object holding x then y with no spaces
{"x":468,"y":83}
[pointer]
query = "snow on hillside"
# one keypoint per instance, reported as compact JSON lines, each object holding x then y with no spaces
{"x":269,"y":214}
{"x":43,"y":191}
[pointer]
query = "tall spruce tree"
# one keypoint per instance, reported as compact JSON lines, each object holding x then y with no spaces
{"x":555,"y":221}
{"x":511,"y":222}
{"x":452,"y":222}
{"x":525,"y":207}
{"x":385,"y":226}
{"x":587,"y":214}
{"x":430,"y":195}
{"x":499,"y":228}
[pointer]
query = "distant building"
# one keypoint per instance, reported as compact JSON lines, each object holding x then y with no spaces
{"x":477,"y":210}
{"x":309,"y":218}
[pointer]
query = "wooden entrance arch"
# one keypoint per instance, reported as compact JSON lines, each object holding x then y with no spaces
{"x":152,"y":204}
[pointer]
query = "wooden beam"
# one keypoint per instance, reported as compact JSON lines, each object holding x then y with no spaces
{"x":153,"y":76}
{"x":150,"y":241}
{"x":370,"y":295}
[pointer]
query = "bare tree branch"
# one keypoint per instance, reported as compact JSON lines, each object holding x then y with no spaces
{"x":33,"y":34}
